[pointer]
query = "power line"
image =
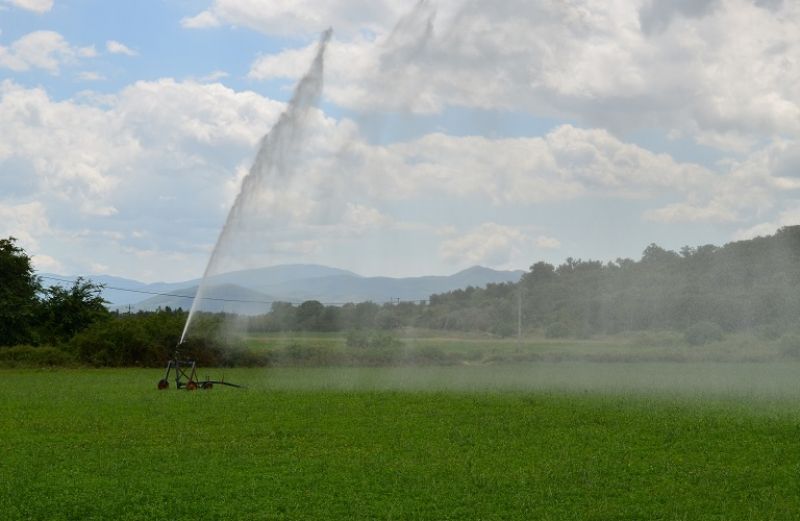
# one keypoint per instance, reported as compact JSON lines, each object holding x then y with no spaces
{"x":129,"y":290}
{"x":217,"y":299}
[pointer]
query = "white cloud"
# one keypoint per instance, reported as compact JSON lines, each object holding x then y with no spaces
{"x":490,"y":243}
{"x":98,"y":268}
{"x":46,"y":263}
{"x":290,"y":63}
{"x":746,"y":189}
{"x":166,"y":158}
{"x":345,"y":66}
{"x":214,"y":76}
{"x":785,"y":218}
{"x":68,"y":147}
{"x":359,"y":218}
{"x":547,"y":243}
{"x":716,"y":212}
{"x":37,"y":6}
{"x":202,"y":20}
{"x":87,"y":152}
{"x":45,"y":50}
{"x":617,"y":65}
{"x":567,"y":163}
{"x":292,"y":17}
{"x":206,"y":114}
{"x":108,"y":161}
{"x":26,"y":222}
{"x":87,"y":52}
{"x":90,"y":76}
{"x":115,"y":47}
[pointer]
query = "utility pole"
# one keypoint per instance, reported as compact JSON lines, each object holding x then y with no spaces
{"x":519,"y":313}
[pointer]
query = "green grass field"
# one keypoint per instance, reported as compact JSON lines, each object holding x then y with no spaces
{"x":547,"y":441}
{"x":460,"y":347}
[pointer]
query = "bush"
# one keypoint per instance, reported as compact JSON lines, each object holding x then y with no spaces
{"x":375,"y":357}
{"x":118,"y":342}
{"x":703,"y":333}
{"x":657,"y":339}
{"x":357,"y":338}
{"x":310,"y":355}
{"x":790,"y":345}
{"x":149,"y":339}
{"x":361,"y":339}
{"x":29,"y":356}
{"x":503,"y":329}
{"x":243,"y":357}
{"x":429,"y":355}
{"x":769,"y":331}
{"x":557,"y":330}
{"x":387,"y":319}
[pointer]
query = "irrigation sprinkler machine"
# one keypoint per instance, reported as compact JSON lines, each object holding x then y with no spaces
{"x":306,"y":95}
{"x":185,"y":372}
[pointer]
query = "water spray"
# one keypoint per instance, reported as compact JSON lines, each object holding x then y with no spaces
{"x":274,"y":159}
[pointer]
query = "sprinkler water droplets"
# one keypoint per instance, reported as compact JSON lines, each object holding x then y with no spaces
{"x":276,"y":155}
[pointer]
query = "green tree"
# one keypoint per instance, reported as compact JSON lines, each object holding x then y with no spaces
{"x":309,"y":315}
{"x":284,"y":316}
{"x":67,"y":311}
{"x":19,"y":289}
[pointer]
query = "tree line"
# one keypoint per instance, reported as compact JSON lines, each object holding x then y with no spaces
{"x":703,"y":291}
{"x":745,"y":285}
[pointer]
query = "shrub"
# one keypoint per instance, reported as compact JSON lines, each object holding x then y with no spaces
{"x":118,"y":342}
{"x":387,"y":319}
{"x":657,"y":339}
{"x":503,"y":329}
{"x":243,"y":357}
{"x":307,"y":354}
{"x":29,"y":356}
{"x":357,"y":338}
{"x":703,"y":333}
{"x":361,"y":339}
{"x":375,"y":357}
{"x":557,"y":330}
{"x":149,"y":339}
{"x":429,"y":355}
{"x":769,"y":331}
{"x":790,"y":345}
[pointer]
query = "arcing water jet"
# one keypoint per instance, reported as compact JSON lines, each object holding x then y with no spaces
{"x":275,"y":156}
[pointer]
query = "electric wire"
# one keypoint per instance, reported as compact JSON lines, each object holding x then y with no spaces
{"x":219,"y":299}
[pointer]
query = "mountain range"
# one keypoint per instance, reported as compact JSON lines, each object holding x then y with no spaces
{"x":253,"y":291}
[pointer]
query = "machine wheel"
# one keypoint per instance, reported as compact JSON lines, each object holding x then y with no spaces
{"x":206,"y":385}
{"x":191,"y":385}
{"x":163,"y":384}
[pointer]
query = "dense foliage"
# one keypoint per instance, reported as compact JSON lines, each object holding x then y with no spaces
{"x":701,"y":294}
{"x":19,"y":288}
{"x":65,"y":312}
{"x":32,"y":314}
{"x":703,"y":291}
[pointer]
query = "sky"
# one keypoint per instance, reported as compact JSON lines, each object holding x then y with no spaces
{"x":449,"y":134}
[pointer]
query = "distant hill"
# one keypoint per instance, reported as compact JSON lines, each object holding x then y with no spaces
{"x":229,"y":298}
{"x":352,"y":288}
{"x":293,"y":283}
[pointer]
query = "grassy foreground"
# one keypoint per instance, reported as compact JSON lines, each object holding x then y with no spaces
{"x":364,"y":444}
